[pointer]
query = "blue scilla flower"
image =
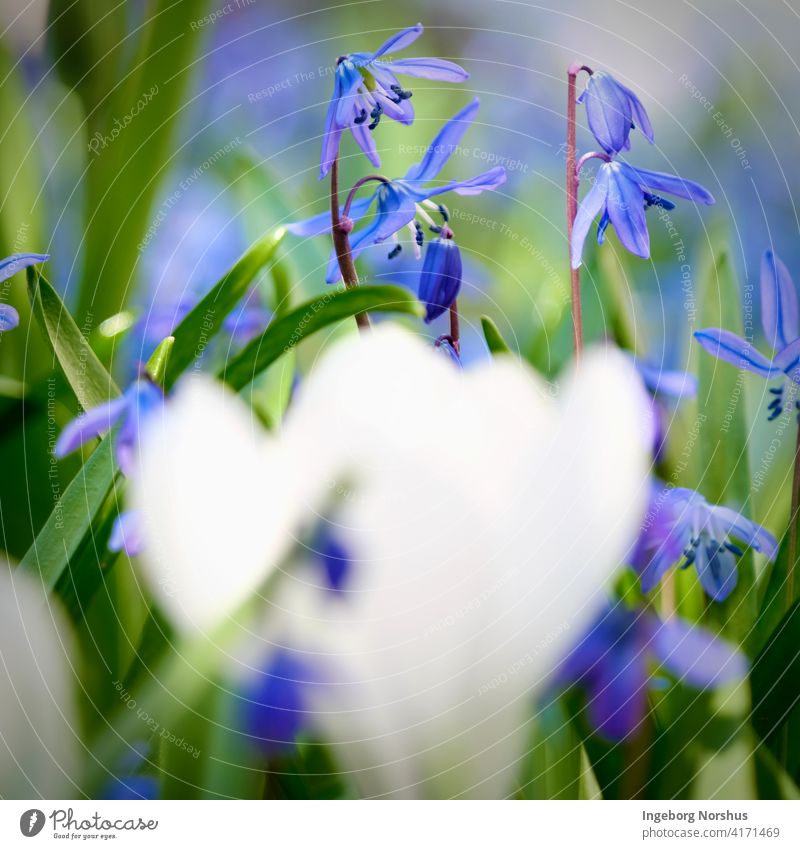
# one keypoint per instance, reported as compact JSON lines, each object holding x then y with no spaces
{"x":612,"y":111}
{"x":398,"y":202}
{"x":9,"y":318}
{"x":682,"y":526}
{"x":620,"y":195}
{"x":613,"y":662}
{"x":366,"y":87}
{"x":274,"y":703}
{"x":139,"y":401}
{"x":779,"y":319}
{"x":440,"y":280}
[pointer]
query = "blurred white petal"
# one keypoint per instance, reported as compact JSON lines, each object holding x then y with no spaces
{"x":484,"y":516}
{"x":38,"y":724}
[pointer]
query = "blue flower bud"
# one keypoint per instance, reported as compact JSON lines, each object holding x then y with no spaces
{"x":613,"y":110}
{"x":440,"y":279}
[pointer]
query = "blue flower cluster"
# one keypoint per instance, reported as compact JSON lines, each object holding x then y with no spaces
{"x":365,"y":89}
{"x":621,"y":194}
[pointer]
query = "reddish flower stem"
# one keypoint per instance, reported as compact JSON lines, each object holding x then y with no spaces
{"x":572,"y":202}
{"x":341,"y":243}
{"x":455,"y":330}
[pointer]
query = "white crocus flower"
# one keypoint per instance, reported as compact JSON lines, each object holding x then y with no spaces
{"x":483,"y":518}
{"x":38,"y":722}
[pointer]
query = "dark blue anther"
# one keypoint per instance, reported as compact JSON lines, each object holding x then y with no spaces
{"x":657,"y":200}
{"x":361,"y":118}
{"x":734,"y":549}
{"x":395,"y":251}
{"x":420,"y":234}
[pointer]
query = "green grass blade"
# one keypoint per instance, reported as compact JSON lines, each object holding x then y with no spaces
{"x":86,"y":375}
{"x":205,"y":320}
{"x":303,"y":321}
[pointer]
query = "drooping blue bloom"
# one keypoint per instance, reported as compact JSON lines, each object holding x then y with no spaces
{"x":334,"y":558}
{"x":139,"y":401}
{"x":366,"y":88}
{"x":779,"y":318}
{"x":682,"y":525}
{"x":398,"y":202}
{"x":621,"y":194}
{"x":440,"y":280}
{"x":613,"y":663}
{"x":275,"y":708}
{"x":9,"y":317}
{"x":612,"y":111}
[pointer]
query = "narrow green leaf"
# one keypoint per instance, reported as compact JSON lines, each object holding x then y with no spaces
{"x":50,"y":554}
{"x":494,"y":339}
{"x":205,"y":320}
{"x":86,"y":375}
{"x":775,"y":677}
{"x":723,"y":466}
{"x":303,"y":321}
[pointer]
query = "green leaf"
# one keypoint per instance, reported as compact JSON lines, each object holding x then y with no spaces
{"x":284,"y":333}
{"x":51,"y":553}
{"x":86,"y":375}
{"x":134,"y":144}
{"x":206,"y":319}
{"x":723,"y":475}
{"x":554,"y":765}
{"x":775,"y":678}
{"x":494,"y":339}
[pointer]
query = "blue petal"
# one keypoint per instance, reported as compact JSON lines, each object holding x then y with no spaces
{"x":618,"y":691}
{"x":696,"y":656}
{"x":746,"y":530}
{"x":429,"y":69}
{"x":348,"y":81}
{"x":657,"y":181}
{"x":9,"y":317}
{"x":275,"y":711}
{"x":126,"y":533}
{"x":440,"y":280}
{"x":399,"y":41}
{"x":608,"y":111}
{"x":93,"y":423}
{"x":445,"y":142}
{"x":779,"y":312}
{"x":625,"y":205}
{"x":675,"y":384}
{"x":143,"y":399}
{"x":16,"y":262}
{"x":640,"y":116}
{"x":731,"y":348}
{"x":131,"y":787}
{"x":335,"y":559}
{"x":364,"y":139}
{"x":320,"y":225}
{"x":486,"y":182}
{"x":787,"y":360}
{"x":716,"y":568}
{"x":590,"y":208}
